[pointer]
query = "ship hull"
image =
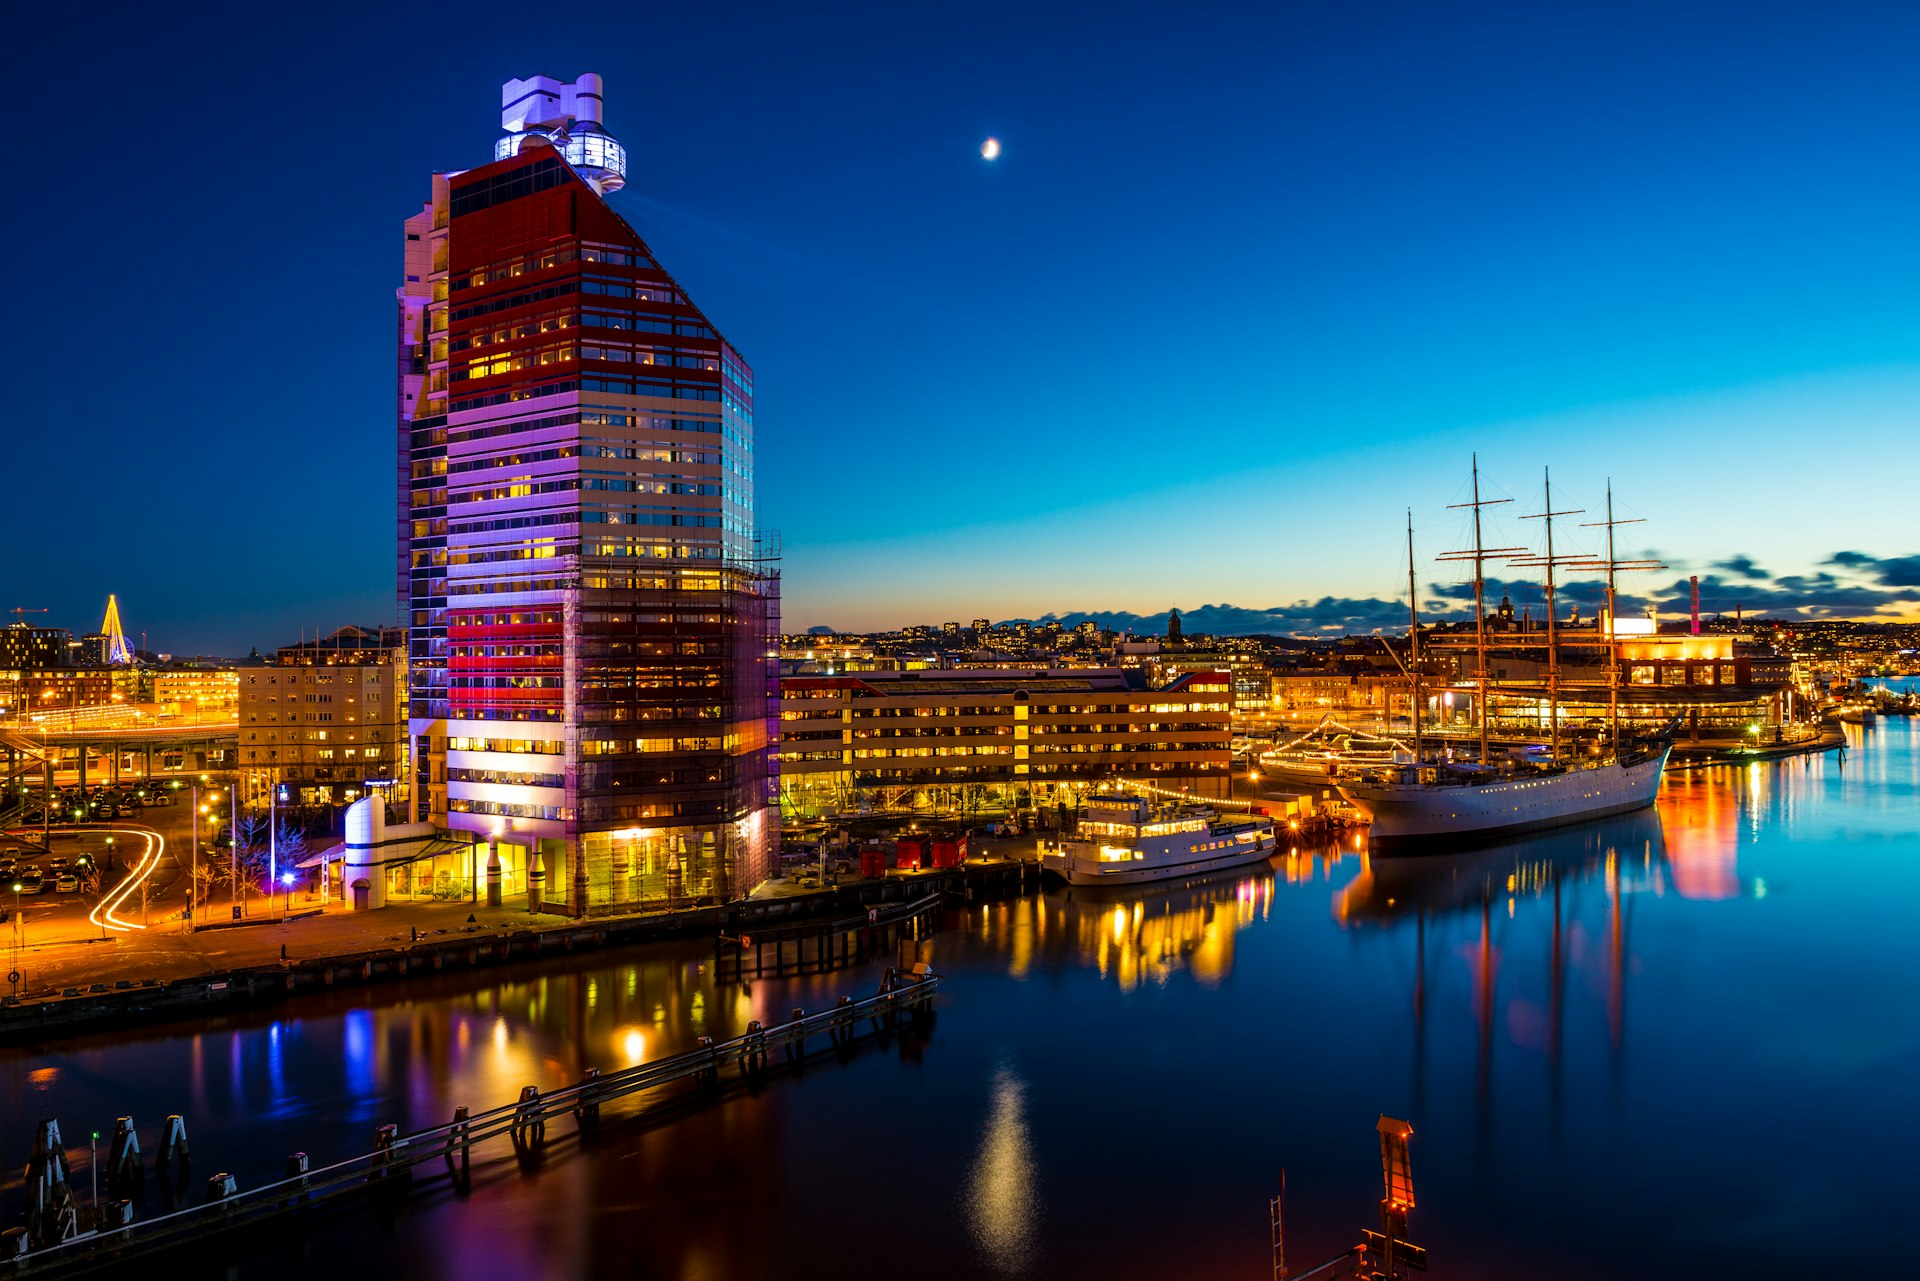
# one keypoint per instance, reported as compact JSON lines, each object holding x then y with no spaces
{"x":1409,"y":818}
{"x":1081,"y":872}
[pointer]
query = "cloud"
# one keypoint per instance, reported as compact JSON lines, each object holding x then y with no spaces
{"x":1744,"y":567}
{"x":1866,"y":586}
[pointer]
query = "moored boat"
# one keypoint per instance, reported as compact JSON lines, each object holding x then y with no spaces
{"x":1130,"y":840}
{"x":1425,"y":803}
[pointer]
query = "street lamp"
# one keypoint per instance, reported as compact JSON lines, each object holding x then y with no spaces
{"x":19,"y":938}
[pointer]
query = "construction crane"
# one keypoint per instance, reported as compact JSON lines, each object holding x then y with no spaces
{"x":20,"y":613}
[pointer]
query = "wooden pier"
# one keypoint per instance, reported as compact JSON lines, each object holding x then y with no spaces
{"x":818,"y":946}
{"x":65,"y":1239}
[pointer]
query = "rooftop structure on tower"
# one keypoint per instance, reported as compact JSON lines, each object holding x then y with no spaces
{"x":544,"y":111}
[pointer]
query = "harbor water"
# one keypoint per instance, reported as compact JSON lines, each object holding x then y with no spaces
{"x":1680,"y":1044}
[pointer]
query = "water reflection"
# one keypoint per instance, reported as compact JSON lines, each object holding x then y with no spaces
{"x":1002,"y":1201}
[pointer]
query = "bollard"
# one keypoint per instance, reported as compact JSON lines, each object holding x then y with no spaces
{"x":457,"y":1138}
{"x":118,"y":1214}
{"x":797,"y":1043}
{"x":753,"y":1055}
{"x":297,"y":1167}
{"x":173,"y":1144}
{"x":123,"y":1157}
{"x":14,"y":1243}
{"x":529,"y":1125}
{"x":587,"y":1110}
{"x":710,"y":1074}
{"x":388,"y":1150}
{"x":222,"y":1187}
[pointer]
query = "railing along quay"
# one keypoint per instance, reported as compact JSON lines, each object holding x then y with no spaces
{"x":54,"y":1242}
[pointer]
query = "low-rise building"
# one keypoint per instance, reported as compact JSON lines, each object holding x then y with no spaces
{"x":328,"y":718}
{"x":956,"y":741}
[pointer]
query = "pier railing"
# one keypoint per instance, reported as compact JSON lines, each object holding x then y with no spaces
{"x":391,"y":1164}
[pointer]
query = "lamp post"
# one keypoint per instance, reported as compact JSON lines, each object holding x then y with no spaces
{"x":19,"y":938}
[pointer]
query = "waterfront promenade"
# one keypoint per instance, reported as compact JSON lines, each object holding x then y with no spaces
{"x":310,"y":935}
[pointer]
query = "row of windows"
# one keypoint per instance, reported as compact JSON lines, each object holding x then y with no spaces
{"x":628,"y":746}
{"x":503,"y":651}
{"x":511,"y":267}
{"x":523,"y":746}
{"x":507,"y":302}
{"x":513,"y":394}
{"x":507,"y":809}
{"x":512,"y":427}
{"x":648,"y":387}
{"x":506,"y":682}
{"x":640,"y":290}
{"x":657,"y":356}
{"x":543,"y":175}
{"x":517,"y":778}
{"x":615,"y":256}
{"x":506,"y":362}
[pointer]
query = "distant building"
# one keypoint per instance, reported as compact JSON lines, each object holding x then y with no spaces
{"x":328,"y":717}
{"x":23,"y":647}
{"x":950,"y":740}
{"x":192,"y":691}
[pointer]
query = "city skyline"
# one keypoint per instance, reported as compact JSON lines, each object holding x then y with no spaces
{"x":1358,"y":252}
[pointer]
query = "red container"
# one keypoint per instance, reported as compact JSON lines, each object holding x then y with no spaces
{"x":908,"y":855}
{"x":949,"y":853}
{"x":873,"y":862}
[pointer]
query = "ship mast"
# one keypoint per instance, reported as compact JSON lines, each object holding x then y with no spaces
{"x":1613,"y":566}
{"x":1479,"y":556}
{"x":1549,"y":562}
{"x":1413,"y":642}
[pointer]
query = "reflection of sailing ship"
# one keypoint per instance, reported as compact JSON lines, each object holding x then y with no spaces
{"x":1388,"y":890}
{"x":1495,"y":894}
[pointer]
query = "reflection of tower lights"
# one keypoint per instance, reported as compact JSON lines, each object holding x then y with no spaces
{"x":1001,"y":1195}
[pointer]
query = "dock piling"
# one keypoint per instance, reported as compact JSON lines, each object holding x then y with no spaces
{"x":529,"y":1125}
{"x":586,"y":1109}
{"x":173,"y":1144}
{"x":124,"y":1170}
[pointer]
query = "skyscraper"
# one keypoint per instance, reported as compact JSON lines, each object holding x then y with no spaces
{"x":590,"y":608}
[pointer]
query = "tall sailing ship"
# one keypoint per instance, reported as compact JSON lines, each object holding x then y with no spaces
{"x":1449,"y":797}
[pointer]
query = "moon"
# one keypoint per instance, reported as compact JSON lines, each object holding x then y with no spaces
{"x":990,"y":149}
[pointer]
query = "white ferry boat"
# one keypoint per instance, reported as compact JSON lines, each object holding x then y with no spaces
{"x":1128,"y":840}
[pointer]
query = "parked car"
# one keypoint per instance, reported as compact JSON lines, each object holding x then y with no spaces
{"x":31,"y":881}
{"x":58,"y":864}
{"x":66,"y":883}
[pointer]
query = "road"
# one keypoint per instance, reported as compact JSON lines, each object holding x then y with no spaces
{"x":136,"y":910}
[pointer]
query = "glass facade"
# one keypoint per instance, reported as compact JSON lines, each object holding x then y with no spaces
{"x":592,"y":616}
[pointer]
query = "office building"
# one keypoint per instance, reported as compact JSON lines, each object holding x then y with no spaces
{"x":591,"y":613}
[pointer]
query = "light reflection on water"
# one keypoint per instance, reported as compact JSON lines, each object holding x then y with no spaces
{"x":1002,"y":1200}
{"x":1662,"y":1045}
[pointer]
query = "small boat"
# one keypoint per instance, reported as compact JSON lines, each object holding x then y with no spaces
{"x":1858,"y":716}
{"x":1130,"y":840}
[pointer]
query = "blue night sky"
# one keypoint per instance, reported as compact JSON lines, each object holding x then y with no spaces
{"x":1245,"y":284}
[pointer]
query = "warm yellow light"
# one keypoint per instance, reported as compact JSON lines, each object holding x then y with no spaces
{"x":990,"y":149}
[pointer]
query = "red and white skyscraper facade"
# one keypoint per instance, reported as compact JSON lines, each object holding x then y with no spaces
{"x":592,"y":613}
